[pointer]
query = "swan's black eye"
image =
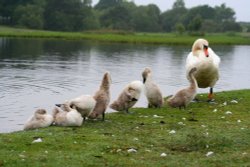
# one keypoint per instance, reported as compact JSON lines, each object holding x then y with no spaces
{"x":205,"y":46}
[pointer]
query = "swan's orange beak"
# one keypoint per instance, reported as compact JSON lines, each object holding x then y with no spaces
{"x":206,"y":51}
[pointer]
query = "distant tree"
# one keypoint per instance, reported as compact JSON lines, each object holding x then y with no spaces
{"x":154,"y":12}
{"x":140,"y":19}
{"x":2,"y":18}
{"x":117,"y":17}
{"x":90,"y":20}
{"x":245,"y":26}
{"x":77,"y":15}
{"x":64,"y":15}
{"x":171,"y":17}
{"x":225,"y":18}
{"x":154,"y":15}
{"x":147,"y":18}
{"x":204,"y":11}
{"x":195,"y":24}
{"x":30,"y":16}
{"x":8,"y":8}
{"x":178,"y":4}
{"x":104,"y":4}
{"x":224,"y":13}
{"x":87,"y":3}
{"x":231,"y":26}
{"x":179,"y":28}
{"x":210,"y":26}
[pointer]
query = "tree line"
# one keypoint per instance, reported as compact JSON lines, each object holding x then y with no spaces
{"x":80,"y":15}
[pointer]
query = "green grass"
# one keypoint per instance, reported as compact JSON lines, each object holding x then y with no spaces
{"x":99,"y":143}
{"x":128,"y":37}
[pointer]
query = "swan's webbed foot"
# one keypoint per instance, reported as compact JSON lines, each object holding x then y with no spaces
{"x":210,"y":95}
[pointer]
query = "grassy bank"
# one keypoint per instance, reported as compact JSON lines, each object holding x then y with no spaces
{"x":151,"y":38}
{"x":222,"y":129}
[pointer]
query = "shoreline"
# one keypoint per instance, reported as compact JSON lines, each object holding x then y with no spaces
{"x":128,"y":37}
{"x":219,"y":136}
{"x":111,"y":111}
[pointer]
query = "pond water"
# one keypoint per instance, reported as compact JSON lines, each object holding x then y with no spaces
{"x":37,"y":73}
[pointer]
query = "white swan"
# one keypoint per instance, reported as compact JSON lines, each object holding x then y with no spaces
{"x":207,"y":63}
{"x":128,"y":97}
{"x":152,"y":91}
{"x":40,"y":119}
{"x":67,"y":117}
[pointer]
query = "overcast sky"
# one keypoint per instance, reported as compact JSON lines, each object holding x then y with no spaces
{"x":241,"y":7}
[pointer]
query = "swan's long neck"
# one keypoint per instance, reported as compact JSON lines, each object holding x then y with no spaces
{"x":105,"y":85}
{"x":193,"y":82}
{"x":149,"y":78}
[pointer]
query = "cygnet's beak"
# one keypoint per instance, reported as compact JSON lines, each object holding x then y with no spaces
{"x":58,"y":105}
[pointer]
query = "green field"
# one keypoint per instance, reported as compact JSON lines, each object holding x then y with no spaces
{"x":219,"y":137}
{"x":129,"y":37}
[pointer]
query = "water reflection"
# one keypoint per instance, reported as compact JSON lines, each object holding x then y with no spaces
{"x":37,"y":73}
